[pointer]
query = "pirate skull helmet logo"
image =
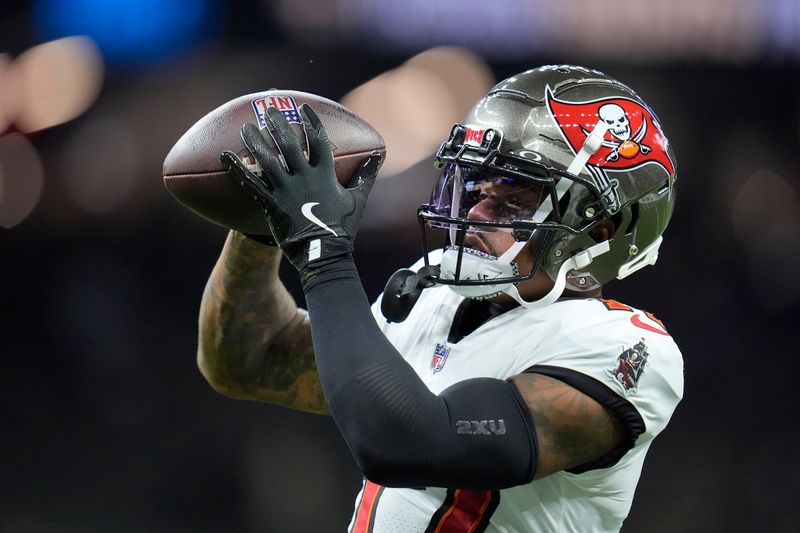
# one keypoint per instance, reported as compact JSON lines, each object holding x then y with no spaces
{"x":618,"y":123}
{"x":620,"y":127}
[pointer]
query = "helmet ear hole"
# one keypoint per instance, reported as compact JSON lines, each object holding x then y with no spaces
{"x":634,"y":218}
{"x":604,"y":230}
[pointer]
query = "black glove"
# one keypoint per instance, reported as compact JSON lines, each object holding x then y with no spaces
{"x":312,"y":217}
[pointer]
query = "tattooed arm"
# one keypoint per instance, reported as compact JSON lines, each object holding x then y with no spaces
{"x":571,"y":428}
{"x":254,"y":343}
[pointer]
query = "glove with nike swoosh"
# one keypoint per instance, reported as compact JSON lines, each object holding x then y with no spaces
{"x":312,"y":217}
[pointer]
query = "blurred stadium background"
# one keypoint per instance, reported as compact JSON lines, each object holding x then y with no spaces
{"x":107,"y":426}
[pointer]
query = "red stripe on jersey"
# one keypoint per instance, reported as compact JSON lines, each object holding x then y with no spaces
{"x":365,"y":517}
{"x":636,"y":321}
{"x":466,"y":512}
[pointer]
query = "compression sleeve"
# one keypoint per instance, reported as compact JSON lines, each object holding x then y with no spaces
{"x":476,"y":434}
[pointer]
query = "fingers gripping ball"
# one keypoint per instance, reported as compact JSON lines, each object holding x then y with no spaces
{"x":311,"y":215}
{"x":194,"y":175}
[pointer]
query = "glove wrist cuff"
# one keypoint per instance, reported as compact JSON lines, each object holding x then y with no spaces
{"x":330,"y":269}
{"x":323,"y":248}
{"x":314,"y":255}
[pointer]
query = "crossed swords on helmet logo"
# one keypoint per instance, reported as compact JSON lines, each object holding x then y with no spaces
{"x":620,"y":127}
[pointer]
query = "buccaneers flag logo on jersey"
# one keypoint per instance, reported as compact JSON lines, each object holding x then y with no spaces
{"x":630,"y":367}
{"x":634,"y":136}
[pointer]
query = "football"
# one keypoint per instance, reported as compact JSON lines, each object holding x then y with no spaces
{"x":194,"y":175}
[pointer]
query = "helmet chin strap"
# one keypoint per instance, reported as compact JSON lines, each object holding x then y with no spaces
{"x":576,"y":262}
{"x":580,"y":260}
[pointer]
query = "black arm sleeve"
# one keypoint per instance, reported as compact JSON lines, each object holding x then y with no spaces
{"x":476,"y":434}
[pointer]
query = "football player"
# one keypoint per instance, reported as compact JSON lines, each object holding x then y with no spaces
{"x":491,"y":387}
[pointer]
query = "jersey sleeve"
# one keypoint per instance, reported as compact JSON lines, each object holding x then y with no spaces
{"x":632,"y":367}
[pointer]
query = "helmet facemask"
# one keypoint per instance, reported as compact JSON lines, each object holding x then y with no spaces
{"x":483,"y":215}
{"x":483,"y":192}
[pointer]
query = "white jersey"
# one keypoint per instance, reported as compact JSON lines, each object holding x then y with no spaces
{"x":585,"y":342}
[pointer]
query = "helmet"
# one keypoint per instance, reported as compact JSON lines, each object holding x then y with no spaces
{"x":548,"y":156}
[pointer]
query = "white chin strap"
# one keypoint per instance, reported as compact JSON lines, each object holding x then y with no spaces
{"x":476,"y":265}
{"x":576,"y":262}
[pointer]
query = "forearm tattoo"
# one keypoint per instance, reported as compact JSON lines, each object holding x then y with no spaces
{"x":254,"y":342}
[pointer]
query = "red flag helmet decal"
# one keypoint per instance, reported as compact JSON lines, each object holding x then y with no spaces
{"x":634,"y":136}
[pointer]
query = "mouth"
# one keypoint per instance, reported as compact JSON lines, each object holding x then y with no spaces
{"x":478,"y":242}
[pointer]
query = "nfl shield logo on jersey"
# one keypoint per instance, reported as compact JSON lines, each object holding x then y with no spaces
{"x":630,"y":367}
{"x":439,"y":357}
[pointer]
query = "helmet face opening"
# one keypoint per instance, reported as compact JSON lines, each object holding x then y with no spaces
{"x":482,"y":190}
{"x":491,"y":201}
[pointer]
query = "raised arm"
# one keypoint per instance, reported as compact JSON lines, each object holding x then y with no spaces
{"x":481,"y":433}
{"x":254,"y":342}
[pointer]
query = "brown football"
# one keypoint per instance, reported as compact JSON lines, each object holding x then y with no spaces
{"x":194,"y":174}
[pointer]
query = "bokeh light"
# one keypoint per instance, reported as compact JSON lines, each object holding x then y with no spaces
{"x":510,"y":30}
{"x":127,"y":30}
{"x":766,"y":221}
{"x":766,"y":203}
{"x":309,"y":21}
{"x":409,"y":106}
{"x":10,"y":91}
{"x":415,"y":105}
{"x":60,"y":80}
{"x":21,"y":179}
{"x":464,"y":72}
{"x":100,"y":165}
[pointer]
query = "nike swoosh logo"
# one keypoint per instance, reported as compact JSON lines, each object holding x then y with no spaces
{"x":306,"y":210}
{"x":637,"y":321}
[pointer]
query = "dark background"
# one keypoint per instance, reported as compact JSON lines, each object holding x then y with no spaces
{"x":106,"y":423}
